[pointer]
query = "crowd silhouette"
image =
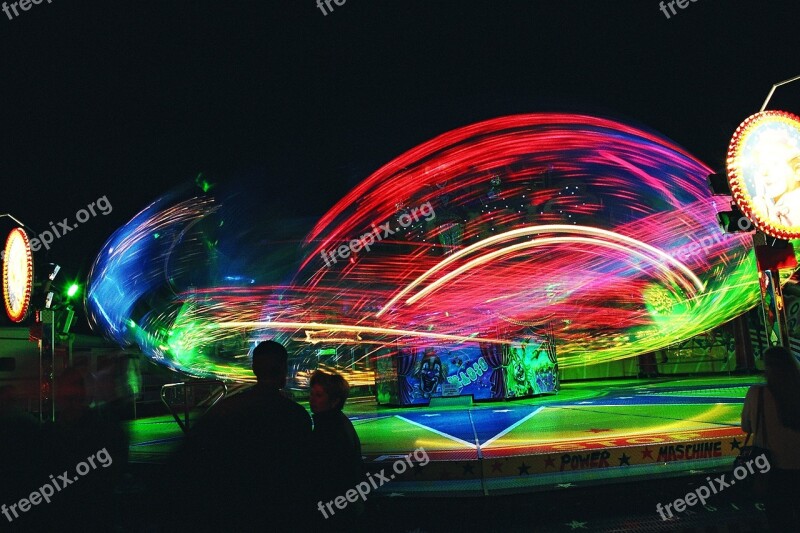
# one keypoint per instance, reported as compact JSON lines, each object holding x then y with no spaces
{"x":252,"y":462}
{"x":258,"y":461}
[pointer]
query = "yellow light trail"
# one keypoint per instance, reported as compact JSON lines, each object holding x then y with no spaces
{"x":358,"y":329}
{"x":532,"y":244}
{"x":547,"y":228}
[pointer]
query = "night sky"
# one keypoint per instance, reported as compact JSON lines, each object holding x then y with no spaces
{"x":129,"y":99}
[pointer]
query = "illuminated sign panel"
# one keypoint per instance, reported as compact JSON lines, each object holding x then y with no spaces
{"x":412,"y":376}
{"x":764,"y":172}
{"x":17,"y":275}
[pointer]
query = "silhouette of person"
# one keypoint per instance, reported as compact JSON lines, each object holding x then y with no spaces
{"x":337,"y":452}
{"x":254,"y":447}
{"x":781,"y":413}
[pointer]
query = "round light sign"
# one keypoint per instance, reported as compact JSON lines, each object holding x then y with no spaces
{"x":764,"y":172}
{"x":17,"y":275}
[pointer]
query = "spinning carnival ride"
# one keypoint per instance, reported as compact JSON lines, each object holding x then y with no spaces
{"x":559,"y":232}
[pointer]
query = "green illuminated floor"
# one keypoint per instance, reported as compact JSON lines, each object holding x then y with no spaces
{"x":589,"y":432}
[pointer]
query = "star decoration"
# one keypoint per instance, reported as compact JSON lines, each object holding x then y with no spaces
{"x":576,"y":525}
{"x":523,"y":469}
{"x":624,"y":460}
{"x":497,"y":466}
{"x":468,"y":468}
{"x":548,"y":461}
{"x":735,"y":444}
{"x":647,"y":452}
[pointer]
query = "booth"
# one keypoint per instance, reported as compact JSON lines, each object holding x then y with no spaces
{"x":414,"y":375}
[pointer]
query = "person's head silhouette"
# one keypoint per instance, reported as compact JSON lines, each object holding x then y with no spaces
{"x":270,"y":362}
{"x":329,"y":392}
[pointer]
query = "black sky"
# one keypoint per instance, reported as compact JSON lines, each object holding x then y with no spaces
{"x":128,"y":99}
